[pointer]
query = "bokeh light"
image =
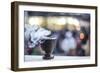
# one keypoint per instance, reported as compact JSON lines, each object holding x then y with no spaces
{"x":61,"y":21}
{"x":36,"y":20}
{"x":56,"y":23}
{"x":73,"y":23}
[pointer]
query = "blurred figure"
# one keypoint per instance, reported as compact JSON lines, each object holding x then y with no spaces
{"x":68,"y":43}
{"x":84,"y":35}
{"x":83,"y":46}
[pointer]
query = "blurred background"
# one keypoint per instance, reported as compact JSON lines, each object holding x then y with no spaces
{"x":72,"y":31}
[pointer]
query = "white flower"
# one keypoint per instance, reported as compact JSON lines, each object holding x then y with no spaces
{"x":34,"y":34}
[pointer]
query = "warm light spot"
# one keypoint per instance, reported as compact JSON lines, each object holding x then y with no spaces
{"x":51,"y":20}
{"x":61,"y":21}
{"x":35,"y":20}
{"x":57,"y":20}
{"x":78,"y":28}
{"x":56,"y":23}
{"x":73,"y":22}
